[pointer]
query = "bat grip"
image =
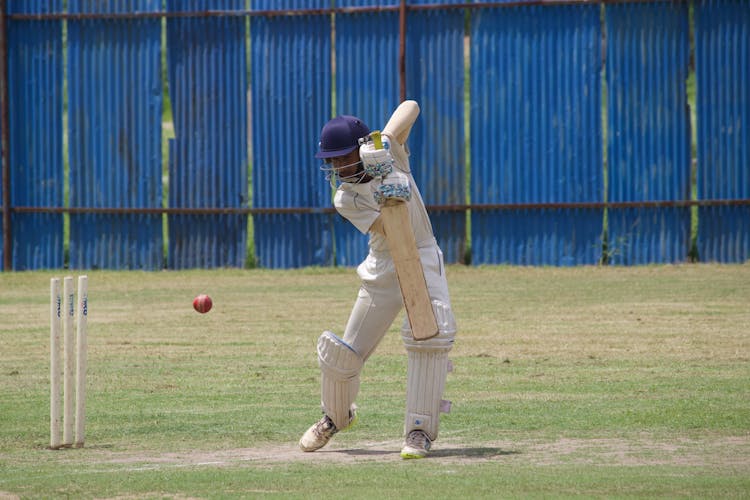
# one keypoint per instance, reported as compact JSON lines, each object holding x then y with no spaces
{"x":377,"y":141}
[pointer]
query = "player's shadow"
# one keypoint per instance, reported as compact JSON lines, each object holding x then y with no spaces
{"x":468,"y":453}
{"x":480,"y":452}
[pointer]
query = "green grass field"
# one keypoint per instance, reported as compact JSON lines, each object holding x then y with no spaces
{"x":592,"y":381}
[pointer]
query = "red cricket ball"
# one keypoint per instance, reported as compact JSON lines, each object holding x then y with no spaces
{"x":202,"y":303}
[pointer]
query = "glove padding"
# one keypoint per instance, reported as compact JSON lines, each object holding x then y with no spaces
{"x":395,"y":185}
{"x":376,"y":162}
{"x":387,"y":183}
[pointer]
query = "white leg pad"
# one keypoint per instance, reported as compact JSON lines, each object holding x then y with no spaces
{"x":340,"y":366}
{"x":427,"y":370}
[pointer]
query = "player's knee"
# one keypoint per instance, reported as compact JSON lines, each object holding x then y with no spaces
{"x":340,"y":366}
{"x":337,"y":357}
{"x":446,"y":330}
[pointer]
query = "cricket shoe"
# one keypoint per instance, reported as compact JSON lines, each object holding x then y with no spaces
{"x":417,"y":445}
{"x":318,"y":435}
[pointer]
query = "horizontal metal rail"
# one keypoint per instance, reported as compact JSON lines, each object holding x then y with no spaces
{"x":588,"y":205}
{"x":317,"y":12}
{"x":171,"y":210}
{"x":432,"y":208}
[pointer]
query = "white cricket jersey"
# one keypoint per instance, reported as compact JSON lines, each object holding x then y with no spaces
{"x":356,"y":203}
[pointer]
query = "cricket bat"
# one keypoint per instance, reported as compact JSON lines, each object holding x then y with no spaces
{"x":399,"y":237}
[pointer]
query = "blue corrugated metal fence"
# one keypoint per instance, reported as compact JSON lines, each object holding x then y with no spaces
{"x":114,"y":114}
{"x":207,"y":68}
{"x":36,"y":146}
{"x":291,"y":68}
{"x":435,"y":58}
{"x":722,"y":60}
{"x":579,"y":146}
{"x":536,"y":134}
{"x":648,"y":131}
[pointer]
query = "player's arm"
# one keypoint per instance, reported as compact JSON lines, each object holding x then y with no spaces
{"x":401,"y":121}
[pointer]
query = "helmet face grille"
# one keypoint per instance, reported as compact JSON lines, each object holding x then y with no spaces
{"x":335,"y":179}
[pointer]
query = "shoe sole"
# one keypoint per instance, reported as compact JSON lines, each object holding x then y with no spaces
{"x":310,"y":449}
{"x":412,"y":455}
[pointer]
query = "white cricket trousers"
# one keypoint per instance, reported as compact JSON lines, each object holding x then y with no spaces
{"x":379,"y":299}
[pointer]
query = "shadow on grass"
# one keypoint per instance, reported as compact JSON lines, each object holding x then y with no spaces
{"x":468,"y":453}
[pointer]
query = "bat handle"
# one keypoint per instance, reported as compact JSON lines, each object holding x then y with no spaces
{"x":377,"y":141}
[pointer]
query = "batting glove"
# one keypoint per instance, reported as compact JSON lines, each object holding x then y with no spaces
{"x":375,"y":162}
{"x":394,"y":186}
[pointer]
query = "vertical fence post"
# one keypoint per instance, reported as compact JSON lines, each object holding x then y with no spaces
{"x":402,"y":49}
{"x":5,"y":126}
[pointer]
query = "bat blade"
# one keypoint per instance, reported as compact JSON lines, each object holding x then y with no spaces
{"x":403,"y":247}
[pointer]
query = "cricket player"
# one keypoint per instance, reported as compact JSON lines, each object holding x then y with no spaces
{"x":363,"y":183}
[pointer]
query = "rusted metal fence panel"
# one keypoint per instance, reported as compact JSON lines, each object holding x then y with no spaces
{"x":291,"y":101}
{"x":35,"y":73}
{"x":207,"y":69}
{"x":722,"y":59}
{"x":536,"y":134}
{"x":435,"y":58}
{"x":367,"y":86}
{"x":288,"y":5}
{"x":648,"y":131}
{"x":114,"y":110}
{"x":537,"y":159}
{"x":534,"y":236}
